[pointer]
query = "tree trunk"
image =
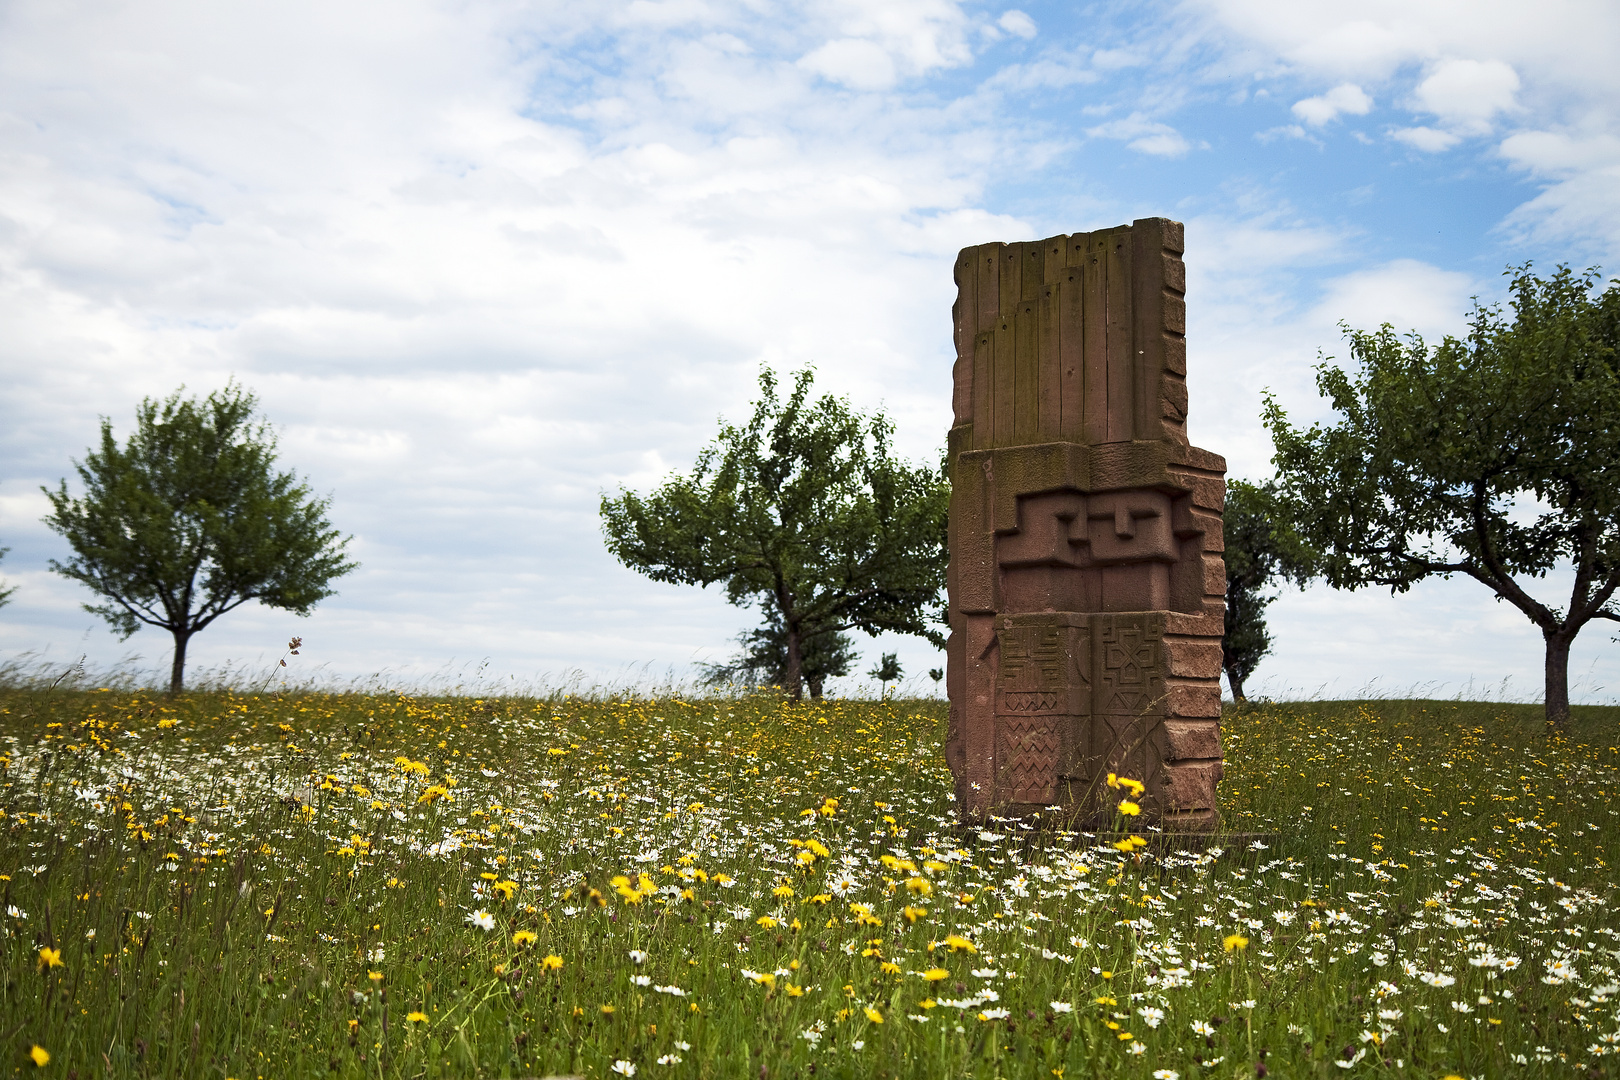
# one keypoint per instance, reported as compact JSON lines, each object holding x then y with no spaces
{"x":1238,"y":697}
{"x":795,"y":663}
{"x":177,"y":672}
{"x":1558,"y":678}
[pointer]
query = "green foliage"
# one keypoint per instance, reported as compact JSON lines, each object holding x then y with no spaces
{"x":1492,"y":456}
{"x":1260,"y":548}
{"x":763,"y":660}
{"x":804,"y":511}
{"x":1392,"y":862}
{"x":190,"y":519}
{"x":887,"y":669}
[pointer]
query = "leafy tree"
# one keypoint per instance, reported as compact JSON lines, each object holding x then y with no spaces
{"x":803,"y":510}
{"x":190,"y":519}
{"x":1259,"y":549}
{"x":1496,"y":456}
{"x":886,"y":671}
{"x":763,"y":659}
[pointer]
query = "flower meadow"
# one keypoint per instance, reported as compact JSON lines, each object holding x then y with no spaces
{"x":302,"y":884}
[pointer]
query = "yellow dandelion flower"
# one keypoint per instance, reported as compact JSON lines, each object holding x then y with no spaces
{"x":41,"y":1056}
{"x":793,"y":991}
{"x":416,"y":1017}
{"x":374,"y":976}
{"x":523,"y":937}
{"x":889,"y":968}
{"x":873,"y":1015}
{"x":957,"y":943}
{"x":919,"y":886}
{"x":1235,"y":941}
{"x":766,"y":922}
{"x":608,"y":1010}
{"x":782,"y":892}
{"x":912,"y":914}
{"x":551,"y":963}
{"x":1129,"y":808}
{"x":49,"y":958}
{"x":936,"y":975}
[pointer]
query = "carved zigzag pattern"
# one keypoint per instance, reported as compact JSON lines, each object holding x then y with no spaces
{"x":1029,"y":747}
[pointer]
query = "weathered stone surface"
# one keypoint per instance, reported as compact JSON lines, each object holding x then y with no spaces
{"x":1086,"y":581}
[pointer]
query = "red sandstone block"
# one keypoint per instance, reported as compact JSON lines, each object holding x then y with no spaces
{"x":1175,"y":314}
{"x":1208,"y":493}
{"x":1211,"y":622}
{"x":1194,"y":698}
{"x":1175,"y":274}
{"x":1192,"y":739}
{"x":1199,"y":659}
{"x":1175,"y":354}
{"x":1191,"y":787}
{"x":1173,"y":398}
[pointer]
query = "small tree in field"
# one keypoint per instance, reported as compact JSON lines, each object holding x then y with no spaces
{"x":190,"y":519}
{"x":803,"y":510}
{"x":1259,"y":549}
{"x":886,"y":671}
{"x":1496,"y":456}
{"x":763,"y":659}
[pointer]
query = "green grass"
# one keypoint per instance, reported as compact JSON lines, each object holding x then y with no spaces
{"x":269,"y":886}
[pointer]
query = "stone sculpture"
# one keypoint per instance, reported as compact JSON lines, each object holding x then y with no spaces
{"x":1086,"y":583}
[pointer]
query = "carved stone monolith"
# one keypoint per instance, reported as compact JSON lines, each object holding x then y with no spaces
{"x":1086,"y":582}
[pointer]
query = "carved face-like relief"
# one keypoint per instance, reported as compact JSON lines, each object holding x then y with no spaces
{"x":1130,"y":526}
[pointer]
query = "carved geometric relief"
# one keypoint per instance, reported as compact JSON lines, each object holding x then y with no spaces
{"x":1131,"y":667}
{"x":1028,"y":752}
{"x":1044,"y":667}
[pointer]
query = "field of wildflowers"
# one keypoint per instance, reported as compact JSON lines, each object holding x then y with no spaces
{"x":287,"y":885}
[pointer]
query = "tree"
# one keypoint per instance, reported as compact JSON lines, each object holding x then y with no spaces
{"x":1259,"y":549}
{"x":763,"y":659}
{"x":886,"y":671}
{"x":190,"y":519}
{"x":5,"y":593}
{"x":804,"y":511}
{"x":1496,"y":456}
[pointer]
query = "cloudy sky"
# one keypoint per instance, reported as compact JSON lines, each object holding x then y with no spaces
{"x":483,"y":262}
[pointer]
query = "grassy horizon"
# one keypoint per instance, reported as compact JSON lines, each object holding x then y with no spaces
{"x":237,"y":885}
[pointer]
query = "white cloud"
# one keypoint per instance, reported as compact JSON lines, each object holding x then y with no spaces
{"x":1406,"y":293}
{"x":1429,"y":140}
{"x":1016,"y":22}
{"x":1467,"y":94}
{"x":1560,"y":153}
{"x":855,"y":62}
{"x":920,"y":35}
{"x":1466,"y":68}
{"x":1344,"y":98}
{"x":1143,"y":135}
